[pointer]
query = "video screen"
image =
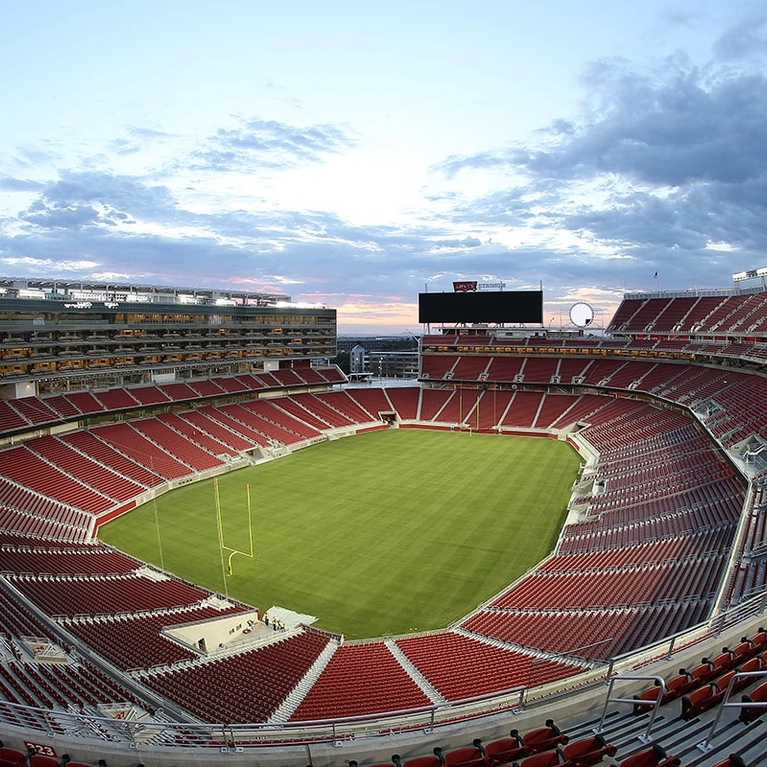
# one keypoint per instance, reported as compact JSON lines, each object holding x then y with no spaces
{"x":515,"y":307}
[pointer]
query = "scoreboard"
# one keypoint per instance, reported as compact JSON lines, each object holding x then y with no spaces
{"x":498,"y":307}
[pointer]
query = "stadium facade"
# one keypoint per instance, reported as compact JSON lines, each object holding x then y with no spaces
{"x":663,"y":557}
{"x":58,"y":335}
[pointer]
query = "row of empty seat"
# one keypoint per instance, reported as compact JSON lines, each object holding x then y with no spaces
{"x":20,"y":414}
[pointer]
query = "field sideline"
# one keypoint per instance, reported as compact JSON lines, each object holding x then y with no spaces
{"x":382,"y":533}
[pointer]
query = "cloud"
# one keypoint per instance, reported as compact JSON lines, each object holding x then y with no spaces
{"x":660,"y":164}
{"x":672,"y":126}
{"x":663,"y":169}
{"x":745,"y":39}
{"x":257,"y":143}
{"x":20,"y":185}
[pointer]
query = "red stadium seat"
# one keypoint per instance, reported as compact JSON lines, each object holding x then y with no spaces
{"x":757,"y":663}
{"x":704,"y":698}
{"x":468,"y":756}
{"x":545,"y":738}
{"x":432,"y":760}
{"x":758,"y":695}
{"x":555,"y":758}
{"x":40,"y":760}
{"x":726,"y":660}
{"x":704,"y":672}
{"x":677,"y":686}
{"x":655,"y":756}
{"x":10,"y":757}
{"x":589,"y":751}
{"x":734,"y":760}
{"x":760,"y":639}
{"x":744,"y":650}
{"x":505,"y":750}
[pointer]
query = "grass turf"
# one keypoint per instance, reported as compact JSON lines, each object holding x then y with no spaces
{"x":384,"y":533}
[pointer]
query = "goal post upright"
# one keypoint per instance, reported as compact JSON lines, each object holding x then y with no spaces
{"x":220,"y":535}
{"x":250,"y":522}
{"x":220,"y":526}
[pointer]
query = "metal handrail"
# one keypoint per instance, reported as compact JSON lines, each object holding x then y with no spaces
{"x":659,"y":681}
{"x":706,"y":744}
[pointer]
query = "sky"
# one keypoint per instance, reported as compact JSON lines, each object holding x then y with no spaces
{"x":355,"y":154}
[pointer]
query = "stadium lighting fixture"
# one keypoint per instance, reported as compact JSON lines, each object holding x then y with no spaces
{"x":750,"y":274}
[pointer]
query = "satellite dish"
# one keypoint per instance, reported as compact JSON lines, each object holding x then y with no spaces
{"x":581,"y":315}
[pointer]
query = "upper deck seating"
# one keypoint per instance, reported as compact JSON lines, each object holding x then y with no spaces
{"x":10,"y":418}
{"x":116,"y":399}
{"x":206,"y":388}
{"x":35,"y":410}
{"x":62,"y":406}
{"x":179,"y":392}
{"x":85,"y":402}
{"x":149,"y":395}
{"x":231,"y":384}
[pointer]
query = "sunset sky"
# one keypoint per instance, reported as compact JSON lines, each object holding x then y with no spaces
{"x":354,"y":154}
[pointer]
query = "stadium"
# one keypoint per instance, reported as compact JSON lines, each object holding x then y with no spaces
{"x":115,"y":395}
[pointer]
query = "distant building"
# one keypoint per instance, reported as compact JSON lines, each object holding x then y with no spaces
{"x":357,"y":359}
{"x":388,"y":356}
{"x":377,"y":343}
{"x":397,"y":364}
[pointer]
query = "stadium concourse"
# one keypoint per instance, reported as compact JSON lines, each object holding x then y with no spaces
{"x":661,"y":562}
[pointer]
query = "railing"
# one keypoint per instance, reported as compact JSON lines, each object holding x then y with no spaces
{"x":665,"y":648}
{"x":694,"y":293}
{"x":155,"y":730}
{"x":146,"y":729}
{"x":706,"y":745}
{"x":658,"y":681}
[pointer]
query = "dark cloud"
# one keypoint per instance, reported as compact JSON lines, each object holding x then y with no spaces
{"x":78,"y":199}
{"x":671,"y":127}
{"x":453,"y":165}
{"x":669,"y":168}
{"x":466,"y":242}
{"x":58,"y":217}
{"x":745,"y":39}
{"x":20,"y":185}
{"x":269,"y":144}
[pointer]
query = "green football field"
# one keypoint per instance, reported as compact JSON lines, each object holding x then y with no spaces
{"x":384,"y":533}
